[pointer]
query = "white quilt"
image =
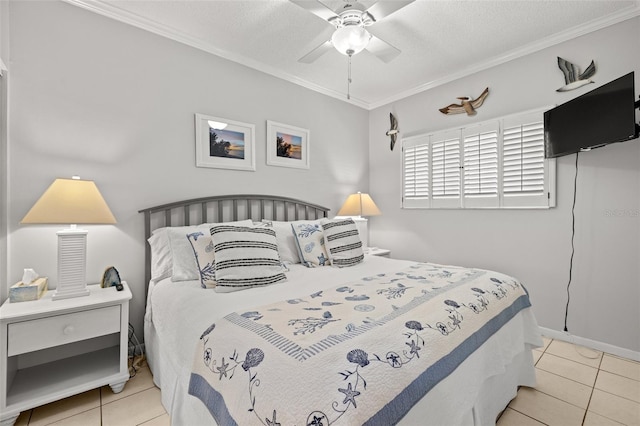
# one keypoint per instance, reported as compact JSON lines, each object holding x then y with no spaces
{"x":358,"y":353}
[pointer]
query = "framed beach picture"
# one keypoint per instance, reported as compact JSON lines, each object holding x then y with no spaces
{"x":224,"y":144}
{"x":287,"y":146}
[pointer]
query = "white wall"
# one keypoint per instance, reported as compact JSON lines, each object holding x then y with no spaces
{"x":533,"y":245}
{"x":115,"y":104}
{"x":4,"y":53}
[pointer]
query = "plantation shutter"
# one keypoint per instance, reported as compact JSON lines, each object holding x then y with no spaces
{"x":416,"y":172}
{"x":524,"y":168}
{"x":480,"y":172}
{"x":445,"y":169}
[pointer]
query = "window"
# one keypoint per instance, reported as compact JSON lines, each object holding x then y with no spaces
{"x":496,"y":164}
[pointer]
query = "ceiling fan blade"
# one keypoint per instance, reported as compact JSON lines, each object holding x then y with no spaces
{"x":316,"y":53}
{"x":317,"y":8}
{"x":383,"y":50}
{"x":385,"y":8}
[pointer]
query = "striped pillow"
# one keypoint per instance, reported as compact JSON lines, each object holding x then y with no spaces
{"x":245,"y":257}
{"x":343,"y":243}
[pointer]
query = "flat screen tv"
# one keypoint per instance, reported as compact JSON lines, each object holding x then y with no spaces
{"x":602,"y":116}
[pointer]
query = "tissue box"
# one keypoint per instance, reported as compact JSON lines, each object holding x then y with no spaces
{"x":22,"y":292}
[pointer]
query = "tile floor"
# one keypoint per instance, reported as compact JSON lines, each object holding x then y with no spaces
{"x":576,"y":386}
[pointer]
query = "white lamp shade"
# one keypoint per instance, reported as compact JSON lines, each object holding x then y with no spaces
{"x":351,"y":39}
{"x":359,"y":205}
{"x":70,"y":201}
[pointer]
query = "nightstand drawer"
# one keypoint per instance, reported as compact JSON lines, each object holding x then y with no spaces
{"x":28,"y":336}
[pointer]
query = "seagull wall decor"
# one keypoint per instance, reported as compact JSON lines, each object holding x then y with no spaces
{"x":572,"y":77}
{"x":393,"y":131}
{"x":466,"y":104}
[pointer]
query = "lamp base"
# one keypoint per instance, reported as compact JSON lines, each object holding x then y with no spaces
{"x":72,"y":254}
{"x":363,"y":229}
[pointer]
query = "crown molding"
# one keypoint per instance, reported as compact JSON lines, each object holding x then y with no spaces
{"x":113,"y":12}
{"x":589,"y":27}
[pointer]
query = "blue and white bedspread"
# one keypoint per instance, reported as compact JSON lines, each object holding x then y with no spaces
{"x":362,"y":353}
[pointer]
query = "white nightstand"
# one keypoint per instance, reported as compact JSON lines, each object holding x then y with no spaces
{"x":54,"y":349}
{"x":375,"y":251}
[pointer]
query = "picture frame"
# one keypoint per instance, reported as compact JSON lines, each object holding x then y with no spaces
{"x":224,"y":144}
{"x":287,"y":146}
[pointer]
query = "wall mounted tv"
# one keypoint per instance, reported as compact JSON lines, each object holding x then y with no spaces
{"x":602,"y":116}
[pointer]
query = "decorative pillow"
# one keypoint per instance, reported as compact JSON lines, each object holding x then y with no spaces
{"x":245,"y":257}
{"x":185,"y":267}
{"x":202,"y":246}
{"x":342,"y":242}
{"x":287,"y":246}
{"x":310,"y":242}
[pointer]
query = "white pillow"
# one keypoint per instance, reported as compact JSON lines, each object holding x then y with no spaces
{"x":245,"y":257}
{"x":161,"y":265}
{"x":287,"y":246}
{"x":310,"y":242}
{"x":342,"y":242}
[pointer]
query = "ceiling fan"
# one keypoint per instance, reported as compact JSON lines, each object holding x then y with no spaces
{"x":350,"y":20}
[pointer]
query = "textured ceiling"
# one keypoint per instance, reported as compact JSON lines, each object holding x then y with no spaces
{"x":440,"y":40}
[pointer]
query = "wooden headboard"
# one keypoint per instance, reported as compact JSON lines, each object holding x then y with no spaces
{"x":224,"y":208}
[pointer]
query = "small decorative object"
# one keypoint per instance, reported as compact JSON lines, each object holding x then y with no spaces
{"x":467,"y":104}
{"x":224,"y":144}
{"x":572,"y":77}
{"x":287,"y":146}
{"x":393,"y":131}
{"x":111,"y":278}
{"x":32,"y":287}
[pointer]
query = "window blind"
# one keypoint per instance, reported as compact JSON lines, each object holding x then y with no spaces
{"x":416,"y":172}
{"x":490,"y":165}
{"x":480,"y":147}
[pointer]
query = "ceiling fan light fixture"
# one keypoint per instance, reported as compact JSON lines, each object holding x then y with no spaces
{"x":351,"y":39}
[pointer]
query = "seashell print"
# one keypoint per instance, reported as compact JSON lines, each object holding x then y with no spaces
{"x":452,"y":303}
{"x":477,"y":290}
{"x":358,"y":356}
{"x":364,"y":308}
{"x":253,"y":358}
{"x":357,"y":297}
{"x":343,"y":289}
{"x":331,"y":303}
{"x":413,"y":325}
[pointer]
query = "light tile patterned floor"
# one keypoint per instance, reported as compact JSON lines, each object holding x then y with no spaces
{"x":576,"y":386}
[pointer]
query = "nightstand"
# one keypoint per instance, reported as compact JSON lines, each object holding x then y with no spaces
{"x":54,"y":349}
{"x":375,"y":251}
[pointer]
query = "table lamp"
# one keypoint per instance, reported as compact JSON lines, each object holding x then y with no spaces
{"x":359,"y":205}
{"x":71,"y":201}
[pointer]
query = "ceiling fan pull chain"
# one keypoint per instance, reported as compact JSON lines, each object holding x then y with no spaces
{"x":349,"y":75}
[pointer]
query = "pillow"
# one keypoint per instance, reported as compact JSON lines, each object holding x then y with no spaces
{"x":185,"y":267}
{"x":310,"y":242}
{"x":161,"y":265}
{"x":202,"y":246}
{"x":245,"y":257}
{"x":287,"y":246}
{"x":342,"y":242}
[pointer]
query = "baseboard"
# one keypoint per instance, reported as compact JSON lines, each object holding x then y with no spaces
{"x":593,"y":344}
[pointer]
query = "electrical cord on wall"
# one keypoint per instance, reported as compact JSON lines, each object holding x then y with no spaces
{"x":573,"y":249}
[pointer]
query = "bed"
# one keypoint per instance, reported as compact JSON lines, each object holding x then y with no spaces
{"x":226,"y":356}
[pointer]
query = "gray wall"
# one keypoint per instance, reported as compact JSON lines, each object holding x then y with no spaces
{"x":4,"y":54}
{"x":115,"y":104}
{"x":533,"y":245}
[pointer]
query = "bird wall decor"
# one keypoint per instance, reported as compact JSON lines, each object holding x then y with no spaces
{"x":572,"y":77}
{"x":466,"y":104}
{"x":393,"y":131}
